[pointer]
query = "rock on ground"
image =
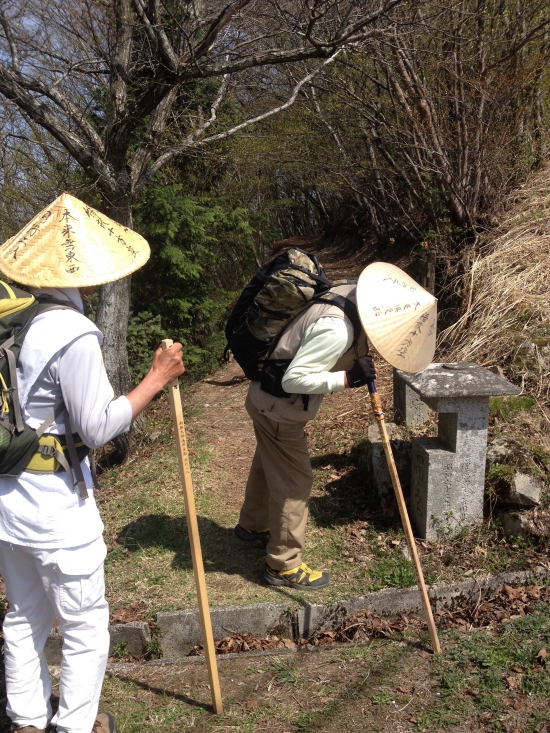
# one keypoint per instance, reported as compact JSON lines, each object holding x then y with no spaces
{"x":525,"y":491}
{"x":525,"y":524}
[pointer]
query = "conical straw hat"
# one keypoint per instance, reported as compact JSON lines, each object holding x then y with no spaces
{"x":399,"y":316}
{"x":69,"y":244}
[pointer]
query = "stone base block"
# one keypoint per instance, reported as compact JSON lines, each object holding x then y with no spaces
{"x":378,"y":476}
{"x":432,"y":502}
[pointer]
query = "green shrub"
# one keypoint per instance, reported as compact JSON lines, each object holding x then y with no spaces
{"x":202,"y":253}
{"x":145,"y":332}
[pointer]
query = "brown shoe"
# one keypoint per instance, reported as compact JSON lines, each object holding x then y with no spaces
{"x":104,"y":723}
{"x":26,"y":728}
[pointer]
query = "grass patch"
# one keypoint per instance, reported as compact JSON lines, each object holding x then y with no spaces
{"x":492,"y":674}
{"x":503,"y":407}
{"x":285,"y":671}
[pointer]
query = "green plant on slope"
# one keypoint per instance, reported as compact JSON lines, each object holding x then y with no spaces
{"x":201,"y":254}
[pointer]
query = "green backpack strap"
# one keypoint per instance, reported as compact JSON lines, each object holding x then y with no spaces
{"x":5,"y":350}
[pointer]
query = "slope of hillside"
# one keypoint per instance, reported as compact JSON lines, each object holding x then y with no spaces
{"x":506,"y":292}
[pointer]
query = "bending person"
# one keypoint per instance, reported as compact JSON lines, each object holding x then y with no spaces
{"x":326,"y":355}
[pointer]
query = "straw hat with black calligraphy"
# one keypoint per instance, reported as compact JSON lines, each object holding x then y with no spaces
{"x":69,"y":244}
{"x":399,"y":316}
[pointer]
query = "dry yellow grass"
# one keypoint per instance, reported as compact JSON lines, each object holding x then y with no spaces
{"x":506,"y":287}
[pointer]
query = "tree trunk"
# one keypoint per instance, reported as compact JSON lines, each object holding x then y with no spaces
{"x":112,"y":320}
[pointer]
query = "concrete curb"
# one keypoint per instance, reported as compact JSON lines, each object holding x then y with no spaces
{"x":136,"y":635}
{"x":313,"y":619}
{"x":180,"y":630}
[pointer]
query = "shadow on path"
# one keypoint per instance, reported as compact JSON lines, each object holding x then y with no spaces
{"x":222,"y":552}
{"x":351,"y":497}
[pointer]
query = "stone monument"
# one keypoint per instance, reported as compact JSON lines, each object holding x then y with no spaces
{"x":448,"y":472}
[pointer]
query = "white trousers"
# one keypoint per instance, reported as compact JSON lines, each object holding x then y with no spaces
{"x":41,"y":585}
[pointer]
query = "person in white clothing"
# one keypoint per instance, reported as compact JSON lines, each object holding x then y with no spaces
{"x":326,"y":354}
{"x":51,"y":544}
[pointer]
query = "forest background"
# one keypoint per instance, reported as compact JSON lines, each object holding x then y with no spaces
{"x":385,"y":127}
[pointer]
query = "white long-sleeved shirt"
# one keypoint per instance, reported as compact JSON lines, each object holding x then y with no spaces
{"x":323,"y":344}
{"x":43,"y":510}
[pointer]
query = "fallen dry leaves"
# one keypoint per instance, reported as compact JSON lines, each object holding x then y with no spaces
{"x":236,"y":643}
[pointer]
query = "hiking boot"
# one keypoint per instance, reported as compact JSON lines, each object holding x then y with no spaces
{"x":254,"y":539}
{"x":104,"y":723}
{"x":26,"y":728}
{"x":301,"y":577}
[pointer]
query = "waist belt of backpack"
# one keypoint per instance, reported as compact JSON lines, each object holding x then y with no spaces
{"x":51,"y":458}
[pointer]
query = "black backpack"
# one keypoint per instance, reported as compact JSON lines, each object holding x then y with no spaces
{"x":281,"y":290}
{"x":18,"y":441}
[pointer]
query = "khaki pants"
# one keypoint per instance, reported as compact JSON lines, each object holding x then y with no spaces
{"x":278,"y":488}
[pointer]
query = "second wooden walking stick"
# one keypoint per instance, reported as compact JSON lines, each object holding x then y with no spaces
{"x":379,"y":415}
{"x":193,"y":529}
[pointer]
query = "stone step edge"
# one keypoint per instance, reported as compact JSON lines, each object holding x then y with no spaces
{"x":181,"y":630}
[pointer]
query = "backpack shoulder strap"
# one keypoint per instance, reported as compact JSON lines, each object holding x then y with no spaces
{"x":5,"y":350}
{"x":49,"y":420}
{"x":340,"y":301}
{"x":348,"y":307}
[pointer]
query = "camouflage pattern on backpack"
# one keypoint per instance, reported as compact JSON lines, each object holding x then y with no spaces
{"x":281,"y":290}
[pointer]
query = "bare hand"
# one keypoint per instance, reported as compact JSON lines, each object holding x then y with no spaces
{"x":167,"y":364}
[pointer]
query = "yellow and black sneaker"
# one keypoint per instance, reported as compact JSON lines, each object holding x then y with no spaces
{"x":301,"y":577}
{"x":254,"y":539}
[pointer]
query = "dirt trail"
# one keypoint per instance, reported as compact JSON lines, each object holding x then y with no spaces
{"x":224,"y":427}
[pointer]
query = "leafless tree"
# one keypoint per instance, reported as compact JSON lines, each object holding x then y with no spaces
{"x":422,"y":129}
{"x":114,"y":83}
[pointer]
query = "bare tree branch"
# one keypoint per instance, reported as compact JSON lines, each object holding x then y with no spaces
{"x":191,"y":69}
{"x":11,"y":41}
{"x":213,"y":32}
{"x":191,"y":140}
{"x":157,"y":34}
{"x":88,"y":157}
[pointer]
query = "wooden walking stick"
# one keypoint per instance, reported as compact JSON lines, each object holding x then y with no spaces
{"x":379,"y":415}
{"x":193,"y":529}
